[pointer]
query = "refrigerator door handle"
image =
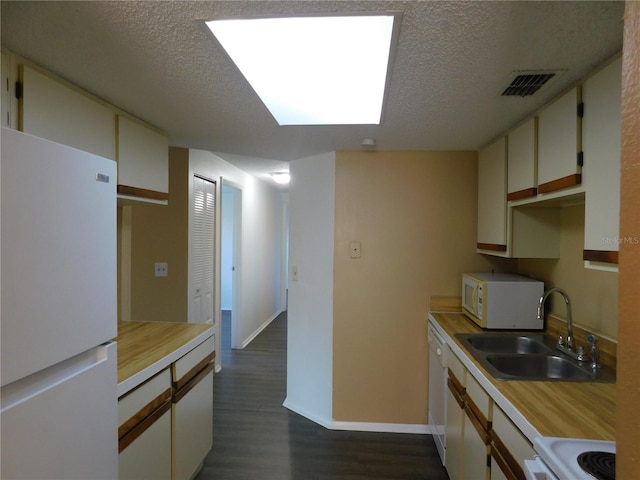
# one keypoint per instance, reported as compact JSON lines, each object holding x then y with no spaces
{"x":26,"y":388}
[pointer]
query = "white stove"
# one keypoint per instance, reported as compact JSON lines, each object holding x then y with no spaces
{"x":571,"y":459}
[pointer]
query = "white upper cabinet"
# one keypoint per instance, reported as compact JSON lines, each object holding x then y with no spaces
{"x":601,"y":142}
{"x":143,"y":161}
{"x":522,"y":161}
{"x":52,"y":108}
{"x":57,"y":112}
{"x":492,"y":197}
{"x":559,"y":144}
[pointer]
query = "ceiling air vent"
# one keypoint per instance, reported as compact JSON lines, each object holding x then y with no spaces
{"x":524,"y":84}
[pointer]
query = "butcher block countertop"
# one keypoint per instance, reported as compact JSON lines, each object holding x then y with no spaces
{"x":146,"y":348}
{"x":553,"y":409}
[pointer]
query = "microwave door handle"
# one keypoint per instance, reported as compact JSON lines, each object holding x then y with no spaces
{"x":474,"y":299}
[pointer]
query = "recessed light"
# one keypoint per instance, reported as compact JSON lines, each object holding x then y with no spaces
{"x":281,"y":177}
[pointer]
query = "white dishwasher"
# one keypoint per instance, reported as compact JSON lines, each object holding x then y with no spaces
{"x":437,"y":388}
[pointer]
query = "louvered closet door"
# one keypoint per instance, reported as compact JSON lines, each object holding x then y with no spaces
{"x":204,"y":216}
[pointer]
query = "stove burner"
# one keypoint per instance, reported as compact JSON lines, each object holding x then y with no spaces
{"x":602,"y":465}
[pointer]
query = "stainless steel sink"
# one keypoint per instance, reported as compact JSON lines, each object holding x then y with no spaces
{"x":508,"y":343}
{"x":535,"y":367}
{"x":516,"y":356}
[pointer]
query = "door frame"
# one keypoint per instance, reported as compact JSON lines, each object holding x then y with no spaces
{"x":236,"y":304}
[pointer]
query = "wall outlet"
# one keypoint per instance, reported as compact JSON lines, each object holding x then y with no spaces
{"x":162,"y":269}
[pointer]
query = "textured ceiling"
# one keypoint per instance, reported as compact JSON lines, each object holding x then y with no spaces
{"x":156,"y":60}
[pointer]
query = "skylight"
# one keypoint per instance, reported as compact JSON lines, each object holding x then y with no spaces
{"x":313,"y":70}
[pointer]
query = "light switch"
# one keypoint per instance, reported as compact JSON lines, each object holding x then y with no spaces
{"x":355,"y":250}
{"x":162,"y":269}
{"x":294,"y":273}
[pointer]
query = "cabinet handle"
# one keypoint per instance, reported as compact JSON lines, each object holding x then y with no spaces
{"x":177,"y":396}
{"x":457,"y":395}
{"x":507,"y":463}
{"x":478,"y":423}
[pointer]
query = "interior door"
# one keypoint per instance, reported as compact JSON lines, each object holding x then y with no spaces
{"x":203,"y":249}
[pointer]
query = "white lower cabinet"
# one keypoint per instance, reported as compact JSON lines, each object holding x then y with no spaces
{"x":192,"y":410}
{"x":454,"y":428}
{"x":467,"y":425}
{"x":149,"y":457}
{"x":482,"y":443}
{"x":509,"y":448}
{"x":145,"y":430}
{"x":166,"y":423}
{"x":476,"y":427}
{"x":192,"y":417}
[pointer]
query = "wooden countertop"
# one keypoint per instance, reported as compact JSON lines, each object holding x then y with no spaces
{"x":554,"y":409}
{"x":146,"y":348}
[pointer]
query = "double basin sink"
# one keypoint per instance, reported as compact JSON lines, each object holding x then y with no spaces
{"x":533,"y":357}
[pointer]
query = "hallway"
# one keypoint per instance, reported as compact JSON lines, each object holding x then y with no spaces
{"x":255,"y":437}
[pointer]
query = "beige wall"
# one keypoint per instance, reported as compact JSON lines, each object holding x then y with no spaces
{"x":415,"y":214}
{"x":160,"y":234}
{"x":593,"y":293}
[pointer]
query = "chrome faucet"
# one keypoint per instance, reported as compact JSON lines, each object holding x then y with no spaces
{"x":570,"y":343}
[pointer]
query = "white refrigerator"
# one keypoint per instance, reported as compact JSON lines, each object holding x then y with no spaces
{"x":58,"y":404}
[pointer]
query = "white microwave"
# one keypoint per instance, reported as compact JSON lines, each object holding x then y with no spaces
{"x":502,"y":300}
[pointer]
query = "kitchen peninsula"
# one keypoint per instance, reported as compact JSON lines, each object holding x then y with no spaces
{"x":165,"y":398}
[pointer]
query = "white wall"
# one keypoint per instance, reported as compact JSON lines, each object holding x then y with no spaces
{"x":261,"y":244}
{"x":310,"y":313}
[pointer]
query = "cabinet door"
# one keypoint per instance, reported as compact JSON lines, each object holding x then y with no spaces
{"x":192,"y":428}
{"x":475,"y":452}
{"x":143,"y":161}
{"x":601,"y":142}
{"x":559,"y":144}
{"x":192,"y":409}
{"x":454,"y":431}
{"x":476,"y":426}
{"x":148,"y":457}
{"x":522,"y":162}
{"x":492,"y":197}
{"x":510,"y":448}
{"x":57,"y":112}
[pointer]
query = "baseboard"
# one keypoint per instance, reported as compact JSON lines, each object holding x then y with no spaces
{"x":260,"y":329}
{"x":414,"y":428}
{"x":419,"y":429}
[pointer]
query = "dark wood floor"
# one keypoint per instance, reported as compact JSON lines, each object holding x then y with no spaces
{"x":255,"y":437}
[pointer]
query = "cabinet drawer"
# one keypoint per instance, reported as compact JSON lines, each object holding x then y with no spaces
{"x":456,"y":367}
{"x":193,"y":362}
{"x":478,"y":395}
{"x":135,"y":401}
